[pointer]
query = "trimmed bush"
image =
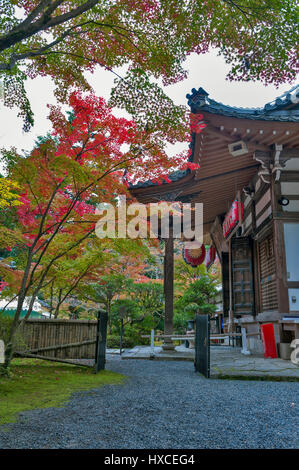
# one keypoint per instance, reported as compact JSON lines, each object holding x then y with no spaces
{"x":113,"y":341}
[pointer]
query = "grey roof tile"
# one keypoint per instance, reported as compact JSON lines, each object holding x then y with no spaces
{"x":283,"y":108}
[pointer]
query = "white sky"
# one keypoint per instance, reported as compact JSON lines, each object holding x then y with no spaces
{"x":207,"y":71}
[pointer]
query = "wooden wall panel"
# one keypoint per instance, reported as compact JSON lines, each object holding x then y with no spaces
{"x":268,"y":274}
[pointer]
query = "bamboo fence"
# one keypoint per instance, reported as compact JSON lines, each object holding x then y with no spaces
{"x":64,"y":339}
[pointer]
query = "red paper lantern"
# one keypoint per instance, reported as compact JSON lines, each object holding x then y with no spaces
{"x":194,"y":257}
{"x":211,"y":255}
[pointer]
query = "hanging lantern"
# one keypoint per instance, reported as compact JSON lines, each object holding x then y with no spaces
{"x":210,"y":258}
{"x":194,"y":256}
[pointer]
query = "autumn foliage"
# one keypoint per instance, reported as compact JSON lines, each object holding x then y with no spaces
{"x":67,"y":174}
{"x":151,"y":39}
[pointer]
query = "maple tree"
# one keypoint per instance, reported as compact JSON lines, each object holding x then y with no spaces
{"x":65,"y":38}
{"x":88,"y":274}
{"x":69,"y":272}
{"x":111,"y":279}
{"x":8,"y":193}
{"x":63,"y":179}
{"x":149,"y":298}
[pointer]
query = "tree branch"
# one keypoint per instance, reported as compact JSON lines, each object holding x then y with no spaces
{"x":43,"y":23}
{"x":35,"y":12}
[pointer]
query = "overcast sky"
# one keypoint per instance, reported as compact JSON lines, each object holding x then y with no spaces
{"x":207,"y":71}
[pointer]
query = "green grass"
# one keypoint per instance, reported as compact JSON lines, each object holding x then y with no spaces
{"x":39,"y":384}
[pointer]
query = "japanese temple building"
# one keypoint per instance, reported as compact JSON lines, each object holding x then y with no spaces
{"x":248,"y":182}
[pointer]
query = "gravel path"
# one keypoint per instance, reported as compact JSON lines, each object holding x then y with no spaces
{"x":165,"y":405}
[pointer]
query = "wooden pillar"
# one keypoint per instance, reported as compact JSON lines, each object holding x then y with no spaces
{"x":168,"y":292}
{"x":279,"y":250}
{"x":100,"y":354}
{"x":281,"y":283}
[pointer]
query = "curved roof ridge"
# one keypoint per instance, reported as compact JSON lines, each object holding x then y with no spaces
{"x":283,"y":108}
{"x":247,"y":108}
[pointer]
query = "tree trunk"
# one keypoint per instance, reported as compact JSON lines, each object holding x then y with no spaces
{"x":9,"y":347}
{"x":109,"y":317}
{"x":58,"y":304}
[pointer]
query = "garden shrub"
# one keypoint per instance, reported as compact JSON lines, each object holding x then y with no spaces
{"x":113,"y":341}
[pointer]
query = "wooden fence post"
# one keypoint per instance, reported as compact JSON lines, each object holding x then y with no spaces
{"x":152,"y":353}
{"x":100,"y":358}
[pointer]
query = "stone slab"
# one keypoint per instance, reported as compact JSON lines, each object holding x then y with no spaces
{"x":226,"y":362}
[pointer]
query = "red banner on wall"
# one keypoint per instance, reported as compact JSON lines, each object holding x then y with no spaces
{"x":232,"y":218}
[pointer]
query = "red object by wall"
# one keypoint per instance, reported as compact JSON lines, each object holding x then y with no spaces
{"x":232,"y":218}
{"x":210,"y":257}
{"x":268,"y":339}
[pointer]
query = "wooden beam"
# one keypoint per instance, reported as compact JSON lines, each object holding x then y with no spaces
{"x":265,"y":158}
{"x":51,"y":359}
{"x":232,"y":136}
{"x":236,"y":170}
{"x":230,"y":311}
{"x":61,"y":346}
{"x":253,"y":139}
{"x":290,"y":153}
{"x":289,"y":176}
{"x":268,"y":157}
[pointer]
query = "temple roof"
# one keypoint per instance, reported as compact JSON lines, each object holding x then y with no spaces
{"x":283,"y":108}
{"x":254,"y":125}
{"x":174,"y":176}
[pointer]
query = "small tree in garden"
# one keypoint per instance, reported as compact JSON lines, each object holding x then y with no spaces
{"x":107,"y":282}
{"x":141,"y":309}
{"x":184,"y":273}
{"x":125,"y":309}
{"x":105,"y":290}
{"x":199,"y":296}
{"x":196,"y":289}
{"x":124,"y":312}
{"x":69,"y":272}
{"x":149,"y":297}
